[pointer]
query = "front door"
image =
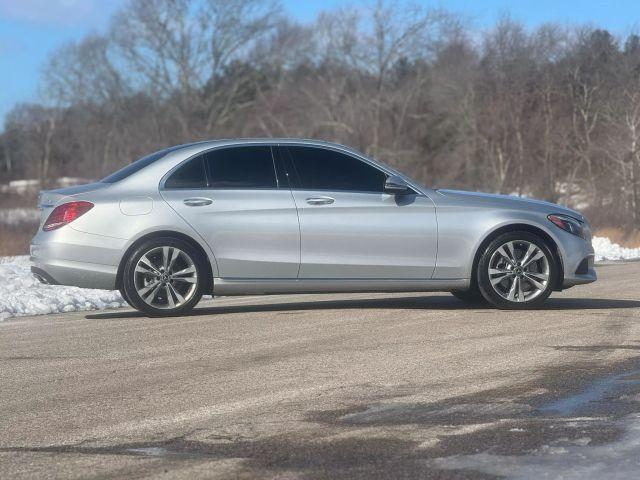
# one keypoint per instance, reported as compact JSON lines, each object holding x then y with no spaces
{"x":350,"y":228}
{"x":231,"y":197}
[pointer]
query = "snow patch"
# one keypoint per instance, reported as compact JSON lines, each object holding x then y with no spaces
{"x":607,"y":250}
{"x":21,"y":294}
{"x":616,"y":460}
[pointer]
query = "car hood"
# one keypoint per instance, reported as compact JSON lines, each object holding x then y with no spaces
{"x":510,"y":201}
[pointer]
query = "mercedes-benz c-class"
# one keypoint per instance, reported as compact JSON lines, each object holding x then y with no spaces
{"x":269,"y":216}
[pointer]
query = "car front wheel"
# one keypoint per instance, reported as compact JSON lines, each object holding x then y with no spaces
{"x":517,"y":270}
{"x":164,"y":277}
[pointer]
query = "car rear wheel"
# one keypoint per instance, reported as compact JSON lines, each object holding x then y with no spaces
{"x":164,"y":277}
{"x":517,"y":270}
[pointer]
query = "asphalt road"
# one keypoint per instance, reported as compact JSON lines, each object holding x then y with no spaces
{"x":334,"y":386}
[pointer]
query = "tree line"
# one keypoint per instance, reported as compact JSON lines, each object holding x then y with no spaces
{"x":552,"y":112}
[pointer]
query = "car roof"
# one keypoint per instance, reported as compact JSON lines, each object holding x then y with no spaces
{"x":267,"y":141}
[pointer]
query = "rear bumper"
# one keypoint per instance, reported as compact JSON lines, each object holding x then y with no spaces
{"x":43,"y":276}
{"x":69,"y":257}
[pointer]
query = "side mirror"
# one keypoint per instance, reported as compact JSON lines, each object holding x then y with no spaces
{"x":395,"y":185}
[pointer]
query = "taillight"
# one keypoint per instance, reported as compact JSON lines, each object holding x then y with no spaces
{"x":66,"y":213}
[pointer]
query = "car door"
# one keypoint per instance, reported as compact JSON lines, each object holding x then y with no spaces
{"x":350,"y":228}
{"x":231,"y":197}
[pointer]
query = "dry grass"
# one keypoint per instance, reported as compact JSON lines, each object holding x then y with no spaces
{"x":14,"y":239}
{"x":625,"y":238}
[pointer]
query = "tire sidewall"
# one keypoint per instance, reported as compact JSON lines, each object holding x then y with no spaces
{"x":128,"y":276}
{"x":484,"y":283}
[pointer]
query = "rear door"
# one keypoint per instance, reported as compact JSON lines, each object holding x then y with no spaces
{"x":232,"y":197}
{"x":350,"y":228}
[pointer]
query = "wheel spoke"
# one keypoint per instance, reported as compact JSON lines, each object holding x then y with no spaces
{"x":534,"y":282}
{"x":185,"y":271}
{"x":512,"y":291}
{"x":500,"y":275}
{"x":165,"y":257}
{"x":500,"y":271}
{"x":520,"y":292}
{"x":146,"y":263}
{"x":145,"y":269}
{"x":529,"y":253}
{"x":173,"y":256}
{"x":143,"y":291}
{"x":170,"y":300}
{"x":176,"y":293}
{"x":505,"y":255}
{"x":184,"y":279}
{"x":540,"y":276}
{"x":534,"y":258}
{"x":149,"y":297}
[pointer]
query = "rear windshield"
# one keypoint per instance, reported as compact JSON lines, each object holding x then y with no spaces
{"x":136,"y":166}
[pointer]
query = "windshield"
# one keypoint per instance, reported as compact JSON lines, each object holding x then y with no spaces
{"x":136,"y":166}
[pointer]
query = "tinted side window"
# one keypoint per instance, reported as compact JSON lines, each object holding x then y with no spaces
{"x":241,"y":167}
{"x":189,"y":175}
{"x":321,"y":169}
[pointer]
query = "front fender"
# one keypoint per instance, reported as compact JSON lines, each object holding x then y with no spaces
{"x":464,"y":230}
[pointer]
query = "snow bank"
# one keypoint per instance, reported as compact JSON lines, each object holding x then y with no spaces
{"x":22,"y":294}
{"x":607,"y":250}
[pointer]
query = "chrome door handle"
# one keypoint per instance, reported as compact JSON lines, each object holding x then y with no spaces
{"x":320,"y":200}
{"x":197,"y":201}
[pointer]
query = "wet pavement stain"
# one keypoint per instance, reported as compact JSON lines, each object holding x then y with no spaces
{"x":275,"y":457}
{"x":586,"y":404}
{"x":607,"y":389}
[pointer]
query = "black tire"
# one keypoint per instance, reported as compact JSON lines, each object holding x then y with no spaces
{"x":538,"y":295}
{"x":471,"y":295}
{"x":129,"y":278}
{"x":125,"y":296}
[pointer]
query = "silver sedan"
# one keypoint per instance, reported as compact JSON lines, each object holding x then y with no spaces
{"x":268,"y":216}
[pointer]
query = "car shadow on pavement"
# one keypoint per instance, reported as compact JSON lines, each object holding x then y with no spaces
{"x":413,"y":303}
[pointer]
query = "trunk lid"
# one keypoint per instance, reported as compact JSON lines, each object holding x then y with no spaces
{"x":48,"y":199}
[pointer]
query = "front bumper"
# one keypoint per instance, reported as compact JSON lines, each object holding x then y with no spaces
{"x":577,"y":261}
{"x":574,"y":279}
{"x":69,"y":257}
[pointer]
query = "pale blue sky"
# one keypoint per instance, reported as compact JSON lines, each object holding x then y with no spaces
{"x":31,"y":29}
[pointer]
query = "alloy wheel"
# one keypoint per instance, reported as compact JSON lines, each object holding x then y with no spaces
{"x":519,"y":271}
{"x":165,"y":277}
